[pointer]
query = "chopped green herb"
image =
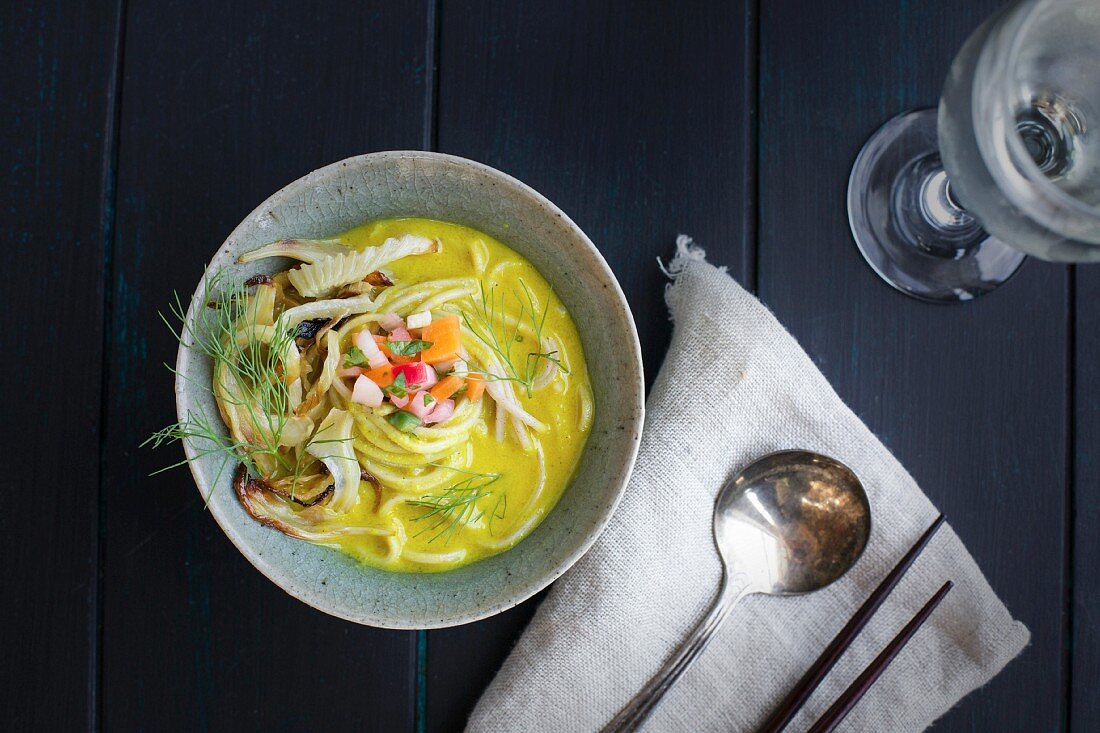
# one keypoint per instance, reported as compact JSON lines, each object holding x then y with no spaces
{"x":398,"y":387}
{"x":355,"y":357}
{"x":407,"y":348}
{"x":406,"y":422}
{"x":428,"y":399}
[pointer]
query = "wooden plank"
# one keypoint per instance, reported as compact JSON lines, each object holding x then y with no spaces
{"x":1085,"y":644}
{"x":55,"y":152}
{"x":635,"y":119}
{"x":971,"y":398}
{"x":223,"y":104}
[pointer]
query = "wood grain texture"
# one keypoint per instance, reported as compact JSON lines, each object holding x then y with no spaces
{"x":1085,"y":645}
{"x":971,"y":398}
{"x":224,"y":103}
{"x":638,"y":119}
{"x":635,"y":119}
{"x":55,"y":154}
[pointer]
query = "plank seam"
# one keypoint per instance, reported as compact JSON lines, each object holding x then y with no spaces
{"x":108,"y":209}
{"x":1071,"y":509}
{"x":433,"y":45}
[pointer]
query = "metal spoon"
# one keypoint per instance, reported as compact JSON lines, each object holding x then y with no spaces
{"x":792,"y":522}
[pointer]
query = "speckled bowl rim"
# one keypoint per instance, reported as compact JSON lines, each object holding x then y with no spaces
{"x":632,"y":432}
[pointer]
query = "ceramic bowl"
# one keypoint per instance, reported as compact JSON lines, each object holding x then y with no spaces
{"x":400,"y":184}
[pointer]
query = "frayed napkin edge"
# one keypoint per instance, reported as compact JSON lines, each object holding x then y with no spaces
{"x":687,"y":251}
{"x":688,"y":254}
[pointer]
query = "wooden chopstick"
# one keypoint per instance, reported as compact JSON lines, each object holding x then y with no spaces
{"x":809,"y":682}
{"x":848,"y":699}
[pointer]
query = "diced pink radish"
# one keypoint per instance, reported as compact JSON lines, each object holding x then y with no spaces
{"x":400,"y":334}
{"x":417,"y":373}
{"x":391,"y":322}
{"x":364,"y":340}
{"x":366,"y":392}
{"x":400,"y":401}
{"x":351,"y":372}
{"x":418,"y":407}
{"x":442,"y":412}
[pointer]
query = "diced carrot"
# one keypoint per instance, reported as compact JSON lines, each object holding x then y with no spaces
{"x":475,"y":386}
{"x":446,"y":387}
{"x":381,"y":341}
{"x":382,"y":376}
{"x":446,"y":339}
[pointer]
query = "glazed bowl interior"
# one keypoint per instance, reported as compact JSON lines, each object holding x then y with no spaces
{"x":416,"y":184}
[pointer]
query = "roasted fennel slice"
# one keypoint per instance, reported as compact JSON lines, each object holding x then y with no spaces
{"x":323,"y":277}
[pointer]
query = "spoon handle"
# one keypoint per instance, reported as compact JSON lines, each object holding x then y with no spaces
{"x":635,"y":713}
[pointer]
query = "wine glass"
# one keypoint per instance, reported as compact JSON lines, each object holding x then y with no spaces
{"x":945,"y":206}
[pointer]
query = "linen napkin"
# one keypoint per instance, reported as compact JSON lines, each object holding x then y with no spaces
{"x":608,"y":625}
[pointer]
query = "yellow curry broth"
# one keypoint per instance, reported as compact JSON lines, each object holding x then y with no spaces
{"x":559,"y":405}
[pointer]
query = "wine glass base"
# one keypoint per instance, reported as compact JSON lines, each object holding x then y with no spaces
{"x":907,"y":225}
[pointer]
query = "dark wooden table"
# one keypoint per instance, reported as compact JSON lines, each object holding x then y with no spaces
{"x":136,"y":134}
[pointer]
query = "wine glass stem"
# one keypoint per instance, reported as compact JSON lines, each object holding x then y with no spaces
{"x":929,"y":215}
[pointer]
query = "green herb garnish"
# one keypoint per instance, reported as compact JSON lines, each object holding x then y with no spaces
{"x":406,"y":422}
{"x":249,"y":378}
{"x":457,"y":505}
{"x":355,"y":357}
{"x":407,"y":348}
{"x":428,"y":399}
{"x":491,"y":326}
{"x":398,"y":387}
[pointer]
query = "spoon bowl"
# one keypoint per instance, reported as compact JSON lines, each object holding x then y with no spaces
{"x":791,"y":522}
